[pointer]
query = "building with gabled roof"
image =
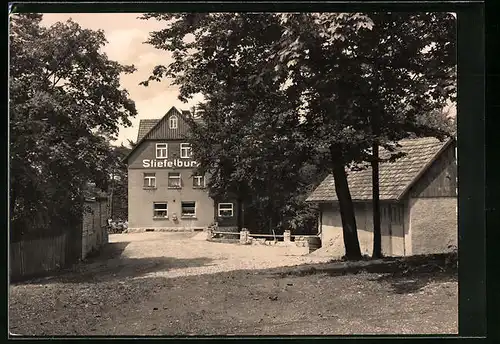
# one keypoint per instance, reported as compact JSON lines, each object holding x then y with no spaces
{"x":418,"y":201}
{"x":164,"y":192}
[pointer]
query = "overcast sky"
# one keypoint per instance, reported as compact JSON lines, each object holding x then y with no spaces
{"x":126,"y":34}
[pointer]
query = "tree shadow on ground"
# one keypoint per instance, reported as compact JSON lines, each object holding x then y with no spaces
{"x":108,"y":264}
{"x":413,"y":282}
{"x":108,"y":251}
{"x":406,"y":275}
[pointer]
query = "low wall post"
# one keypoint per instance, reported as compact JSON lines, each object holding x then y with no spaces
{"x":287,"y":236}
{"x":244,"y":236}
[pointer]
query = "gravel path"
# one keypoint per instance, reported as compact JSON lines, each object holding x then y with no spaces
{"x":163,"y":254}
{"x":172,"y":284}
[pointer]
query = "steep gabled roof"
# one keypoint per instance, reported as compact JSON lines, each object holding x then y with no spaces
{"x":150,"y":129}
{"x":396,"y":178}
{"x":145,"y":125}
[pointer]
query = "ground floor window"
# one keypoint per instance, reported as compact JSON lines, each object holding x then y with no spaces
{"x":174,"y":180}
{"x":188,"y":209}
{"x":149,"y":180}
{"x":160,"y":210}
{"x":225,"y":209}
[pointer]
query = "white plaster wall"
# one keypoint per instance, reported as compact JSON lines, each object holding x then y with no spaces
{"x":407,"y":227}
{"x":397,"y":241}
{"x":332,"y":236}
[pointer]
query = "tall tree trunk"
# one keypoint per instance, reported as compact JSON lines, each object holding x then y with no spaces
{"x":349,"y":228}
{"x":377,"y":233}
{"x":243,"y":214}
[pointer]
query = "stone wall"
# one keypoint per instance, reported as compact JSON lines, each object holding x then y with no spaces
{"x":94,"y":227}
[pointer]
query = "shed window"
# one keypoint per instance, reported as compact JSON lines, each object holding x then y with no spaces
{"x":397,"y":214}
{"x":186,"y":151}
{"x":161,"y":151}
{"x":149,"y":180}
{"x":384,"y":212}
{"x":172,"y":122}
{"x":174,"y":180}
{"x":160,"y":210}
{"x":225,"y":209}
{"x":188,"y":209}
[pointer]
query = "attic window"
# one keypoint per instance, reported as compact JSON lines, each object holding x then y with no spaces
{"x":172,"y":122}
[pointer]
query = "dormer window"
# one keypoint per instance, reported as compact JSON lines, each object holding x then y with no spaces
{"x":172,"y":122}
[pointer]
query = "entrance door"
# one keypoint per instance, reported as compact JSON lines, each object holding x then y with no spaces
{"x":385,"y":228}
{"x":397,"y":232}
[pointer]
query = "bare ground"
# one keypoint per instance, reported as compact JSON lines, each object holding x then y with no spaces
{"x":171,"y":284}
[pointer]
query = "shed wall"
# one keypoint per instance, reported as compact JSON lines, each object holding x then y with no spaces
{"x":433,"y":207}
{"x":332,"y":235}
{"x":434,"y":225}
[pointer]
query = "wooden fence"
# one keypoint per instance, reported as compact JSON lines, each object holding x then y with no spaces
{"x":30,"y":257}
{"x":34,"y":257}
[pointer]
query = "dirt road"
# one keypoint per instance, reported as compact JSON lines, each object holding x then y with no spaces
{"x":172,"y":284}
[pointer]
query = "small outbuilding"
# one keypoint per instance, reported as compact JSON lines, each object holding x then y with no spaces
{"x":418,"y":202}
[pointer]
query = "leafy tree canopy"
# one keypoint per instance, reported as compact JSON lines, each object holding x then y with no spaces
{"x":285,"y":89}
{"x":65,"y":104}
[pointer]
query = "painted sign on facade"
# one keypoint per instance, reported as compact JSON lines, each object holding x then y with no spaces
{"x":164,"y":163}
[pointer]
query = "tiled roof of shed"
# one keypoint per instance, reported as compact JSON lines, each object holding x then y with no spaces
{"x":395,"y":177}
{"x":145,"y":125}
